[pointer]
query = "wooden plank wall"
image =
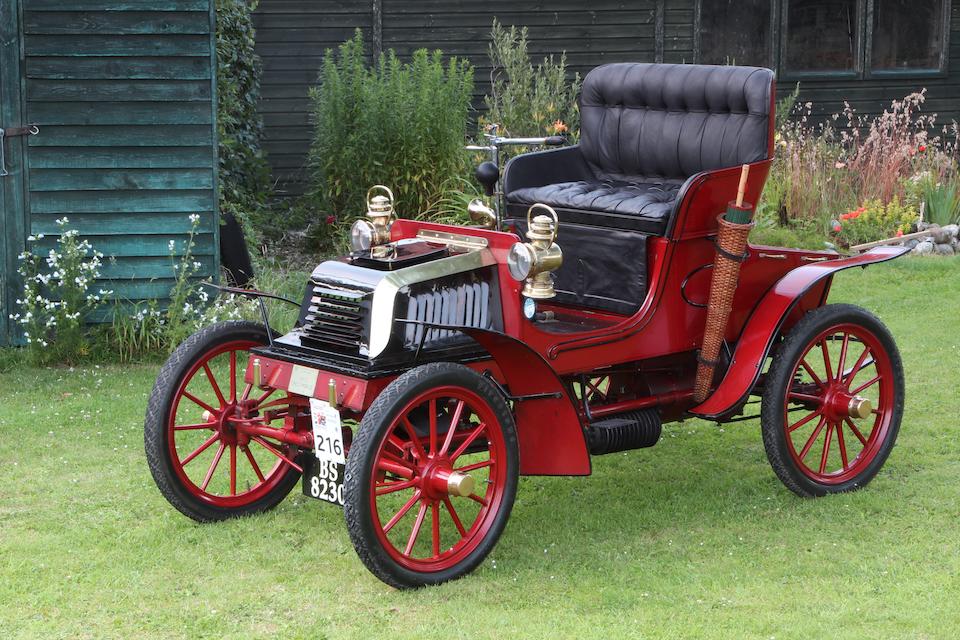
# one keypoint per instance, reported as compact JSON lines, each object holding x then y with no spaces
{"x":123,"y":93}
{"x":292,"y":35}
{"x":291,"y":38}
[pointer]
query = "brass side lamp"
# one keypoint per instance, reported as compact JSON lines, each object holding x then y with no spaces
{"x":533,"y":262}
{"x":373,"y":231}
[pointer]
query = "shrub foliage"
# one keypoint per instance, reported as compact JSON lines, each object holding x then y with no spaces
{"x":401,"y":124}
{"x":244,"y":175}
{"x":527,"y":100}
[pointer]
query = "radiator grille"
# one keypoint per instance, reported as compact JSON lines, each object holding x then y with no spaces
{"x":335,"y":317}
{"x":466,"y":305}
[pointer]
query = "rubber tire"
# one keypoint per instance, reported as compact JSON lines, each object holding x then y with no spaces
{"x":780,"y":375}
{"x":155,"y":425}
{"x":356,"y":490}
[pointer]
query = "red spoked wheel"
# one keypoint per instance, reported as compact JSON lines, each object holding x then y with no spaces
{"x":217,"y":447}
{"x":431,"y":476}
{"x":832,"y":402}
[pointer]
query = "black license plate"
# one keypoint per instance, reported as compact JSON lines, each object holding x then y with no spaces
{"x":323,"y":480}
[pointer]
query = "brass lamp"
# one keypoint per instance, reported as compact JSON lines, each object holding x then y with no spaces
{"x":482,"y":214}
{"x":534,"y":261}
{"x":374,"y":231}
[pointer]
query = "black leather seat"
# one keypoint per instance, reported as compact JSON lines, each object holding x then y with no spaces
{"x":645,"y":129}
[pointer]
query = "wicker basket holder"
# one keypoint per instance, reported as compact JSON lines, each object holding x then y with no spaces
{"x":731,"y":251}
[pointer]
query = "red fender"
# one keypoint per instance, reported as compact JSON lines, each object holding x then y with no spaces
{"x":764,"y":325}
{"x":552,"y":440}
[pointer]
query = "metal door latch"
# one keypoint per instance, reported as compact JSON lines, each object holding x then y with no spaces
{"x":29,"y":130}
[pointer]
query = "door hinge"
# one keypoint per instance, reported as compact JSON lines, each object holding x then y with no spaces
{"x":28,"y":130}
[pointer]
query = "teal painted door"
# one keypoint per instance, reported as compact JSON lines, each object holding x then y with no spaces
{"x":12,"y":185}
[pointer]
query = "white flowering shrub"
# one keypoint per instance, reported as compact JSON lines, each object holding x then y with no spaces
{"x":58,"y":296}
{"x":151,"y":328}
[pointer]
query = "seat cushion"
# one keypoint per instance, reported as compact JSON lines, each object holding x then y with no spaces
{"x":643,"y":206}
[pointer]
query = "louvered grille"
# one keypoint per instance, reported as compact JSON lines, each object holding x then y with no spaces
{"x":335,"y":317}
{"x":466,"y":305}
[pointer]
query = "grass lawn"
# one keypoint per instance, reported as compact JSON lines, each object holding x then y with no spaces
{"x":693,"y":538}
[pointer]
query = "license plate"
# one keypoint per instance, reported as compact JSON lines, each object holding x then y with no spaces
{"x":323,"y":474}
{"x":323,"y":480}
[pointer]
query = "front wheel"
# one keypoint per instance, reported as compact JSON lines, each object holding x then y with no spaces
{"x":210,"y":437}
{"x":832,"y":401}
{"x":431,"y":476}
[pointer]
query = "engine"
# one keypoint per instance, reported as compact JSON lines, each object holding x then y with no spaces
{"x":379,"y":304}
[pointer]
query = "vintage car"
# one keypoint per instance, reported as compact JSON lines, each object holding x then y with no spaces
{"x":435,"y":364}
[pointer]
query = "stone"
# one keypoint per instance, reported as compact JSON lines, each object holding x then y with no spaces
{"x":923,"y":226}
{"x":911,"y":243}
{"x":925,"y":248}
{"x":943,"y":249}
{"x":953,"y":229}
{"x":942,"y":236}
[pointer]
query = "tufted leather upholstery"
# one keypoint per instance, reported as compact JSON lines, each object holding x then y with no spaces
{"x":673,"y":120}
{"x":648,"y":204}
{"x":645,"y":128}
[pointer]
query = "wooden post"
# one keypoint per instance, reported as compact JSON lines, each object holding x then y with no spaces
{"x":658,"y":31}
{"x":377,"y":27}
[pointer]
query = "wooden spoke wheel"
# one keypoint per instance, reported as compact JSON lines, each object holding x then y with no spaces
{"x":832,"y":401}
{"x":214,"y":443}
{"x":431,"y":476}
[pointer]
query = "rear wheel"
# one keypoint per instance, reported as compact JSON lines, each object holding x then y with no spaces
{"x":431,"y":476}
{"x":207,"y":433}
{"x":832,"y":401}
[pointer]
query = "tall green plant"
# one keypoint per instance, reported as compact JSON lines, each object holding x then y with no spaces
{"x":402,"y":124}
{"x":527,"y":100}
{"x":941,"y":200}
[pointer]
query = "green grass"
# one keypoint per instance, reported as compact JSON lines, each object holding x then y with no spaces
{"x":693,"y":538}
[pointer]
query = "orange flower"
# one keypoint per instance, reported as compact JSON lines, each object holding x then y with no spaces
{"x":559,"y":127}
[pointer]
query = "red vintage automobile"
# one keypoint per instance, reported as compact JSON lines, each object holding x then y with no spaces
{"x":435,"y":364}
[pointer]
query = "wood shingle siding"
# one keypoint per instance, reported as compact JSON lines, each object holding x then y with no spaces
{"x":123,"y":93}
{"x":292,"y":35}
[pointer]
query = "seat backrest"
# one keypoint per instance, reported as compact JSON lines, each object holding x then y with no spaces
{"x":673,"y":120}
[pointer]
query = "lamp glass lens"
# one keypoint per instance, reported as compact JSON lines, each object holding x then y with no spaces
{"x":361,"y":235}
{"x":519,"y":261}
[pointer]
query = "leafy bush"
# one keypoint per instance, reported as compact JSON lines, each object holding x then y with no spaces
{"x":528,"y":100}
{"x":941,"y":199}
{"x":58,"y":297}
{"x":874,"y":221}
{"x":244,"y":176}
{"x":402,"y":124}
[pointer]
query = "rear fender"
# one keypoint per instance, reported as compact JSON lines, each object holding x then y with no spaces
{"x":552,"y":440}
{"x":765,"y":324}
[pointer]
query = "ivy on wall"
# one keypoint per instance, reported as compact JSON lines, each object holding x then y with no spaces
{"x":244,"y":174}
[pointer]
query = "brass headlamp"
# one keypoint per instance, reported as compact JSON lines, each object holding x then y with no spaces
{"x":481,"y":214}
{"x":534,"y":261}
{"x":374,"y":231}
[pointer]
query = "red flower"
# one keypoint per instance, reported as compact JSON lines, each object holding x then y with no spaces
{"x":837,"y":228}
{"x":331,"y":219}
{"x":922,"y":148}
{"x":899,"y":233}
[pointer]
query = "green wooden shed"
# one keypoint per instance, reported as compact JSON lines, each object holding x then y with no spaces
{"x":122,"y":93}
